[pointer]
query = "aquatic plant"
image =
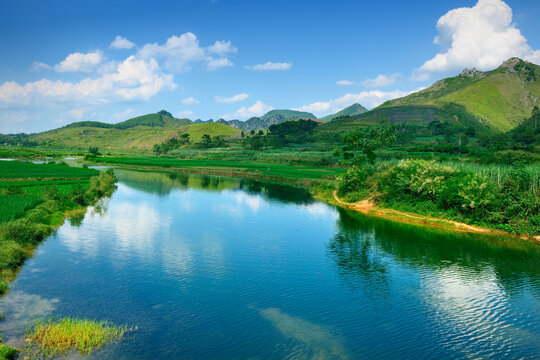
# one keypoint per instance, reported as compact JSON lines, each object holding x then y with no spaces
{"x":50,"y":338}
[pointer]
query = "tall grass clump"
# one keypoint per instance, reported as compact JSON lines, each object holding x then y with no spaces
{"x":51,"y":338}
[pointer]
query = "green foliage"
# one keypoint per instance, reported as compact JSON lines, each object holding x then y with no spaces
{"x":370,"y":140}
{"x":7,"y":352}
{"x":208,"y":142}
{"x":93,"y":150}
{"x":354,"y":180}
{"x":422,"y":178}
{"x":172,"y":144}
{"x":509,"y":201}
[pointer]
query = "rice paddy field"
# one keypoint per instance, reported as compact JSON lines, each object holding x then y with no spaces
{"x":23,"y":185}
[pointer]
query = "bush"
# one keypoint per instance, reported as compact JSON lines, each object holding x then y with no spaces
{"x":354,"y":180}
{"x":473,"y":193}
{"x":24,"y":232}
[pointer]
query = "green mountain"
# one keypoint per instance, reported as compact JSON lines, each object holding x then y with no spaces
{"x":501,"y":98}
{"x":288,"y":114}
{"x":272,"y":117}
{"x":139,"y":133}
{"x":354,"y":109}
{"x":421,"y":116}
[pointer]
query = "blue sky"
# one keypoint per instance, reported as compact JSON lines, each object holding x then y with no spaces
{"x":65,"y":61}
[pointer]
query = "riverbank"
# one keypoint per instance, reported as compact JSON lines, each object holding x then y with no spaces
{"x":367,"y":207}
{"x":34,"y":205}
{"x":322,"y":186}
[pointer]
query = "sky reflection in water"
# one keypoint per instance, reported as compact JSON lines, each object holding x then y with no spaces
{"x":213,"y":267}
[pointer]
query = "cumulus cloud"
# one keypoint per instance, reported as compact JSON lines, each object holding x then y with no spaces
{"x":132,"y":79}
{"x":345,"y":83}
{"x":79,"y":62}
{"x":123,"y":115}
{"x":180,"y":52}
{"x":231,"y":100}
{"x":184,"y":114}
{"x":257,"y":109}
{"x":482,"y":36}
{"x":270,"y":66}
{"x":381,"y":81}
{"x":121,"y":43}
{"x":39,"y":66}
{"x":222,"y":48}
{"x":77,"y":113}
{"x":369,"y":99}
{"x":190,"y":101}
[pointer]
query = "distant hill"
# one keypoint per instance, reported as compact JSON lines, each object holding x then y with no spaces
{"x":416,"y":115}
{"x":288,"y":114}
{"x":501,"y":98}
{"x":272,"y":117}
{"x":139,"y":133}
{"x":354,"y":109}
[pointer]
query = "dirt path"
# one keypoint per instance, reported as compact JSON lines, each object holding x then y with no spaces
{"x":367,"y":207}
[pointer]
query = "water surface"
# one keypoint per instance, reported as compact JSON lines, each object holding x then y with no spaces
{"x":219,"y":268}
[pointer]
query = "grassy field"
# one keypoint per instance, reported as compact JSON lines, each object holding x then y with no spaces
{"x":273,"y":172}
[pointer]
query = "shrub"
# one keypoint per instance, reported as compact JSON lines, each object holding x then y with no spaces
{"x":353,"y":180}
{"x":473,"y":193}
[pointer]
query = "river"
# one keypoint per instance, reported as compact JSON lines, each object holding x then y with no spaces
{"x":220,"y":268}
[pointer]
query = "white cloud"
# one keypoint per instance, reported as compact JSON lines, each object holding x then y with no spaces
{"x":121,"y":43}
{"x":222,"y":48}
{"x":132,"y":79}
{"x":180,"y":52}
{"x":232,"y":99}
{"x":123,"y":115}
{"x":77,"y":113}
{"x":79,"y":62}
{"x":270,"y":66}
{"x":257,"y":109}
{"x":214,"y":64}
{"x":381,"y":81}
{"x":190,"y":101}
{"x":482,"y":36}
{"x":183,"y":114}
{"x":345,"y":83}
{"x":39,"y":66}
{"x":369,"y":99}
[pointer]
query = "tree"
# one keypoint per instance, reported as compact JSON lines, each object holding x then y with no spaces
{"x":370,"y":140}
{"x":93,"y":150}
{"x":242,"y":134}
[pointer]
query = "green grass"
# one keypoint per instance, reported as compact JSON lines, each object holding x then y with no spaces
{"x":196,"y":131}
{"x":14,"y":206}
{"x":7,"y":352}
{"x":52,"y":338}
{"x":269,"y":170}
{"x":25,"y":170}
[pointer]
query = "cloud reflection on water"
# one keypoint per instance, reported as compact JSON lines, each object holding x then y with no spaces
{"x":314,"y":342}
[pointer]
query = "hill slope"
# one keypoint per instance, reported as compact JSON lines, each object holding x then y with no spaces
{"x":354,"y":109}
{"x":139,"y":133}
{"x":501,"y":98}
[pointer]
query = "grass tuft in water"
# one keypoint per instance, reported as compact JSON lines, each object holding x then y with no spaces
{"x":51,"y":338}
